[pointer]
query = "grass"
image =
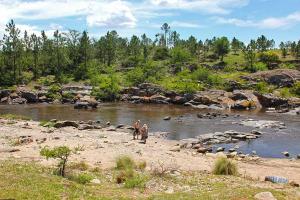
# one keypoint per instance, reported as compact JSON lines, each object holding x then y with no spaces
{"x":47,"y":124}
{"x":125,"y":162}
{"x":82,"y":178}
{"x":31,"y":181}
{"x":14,"y":117}
{"x":224,"y":166}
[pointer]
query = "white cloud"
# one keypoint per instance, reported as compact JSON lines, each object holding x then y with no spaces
{"x":180,"y":24}
{"x":116,"y":13}
{"x":267,"y":23}
{"x":113,"y":14}
{"x":205,"y":6}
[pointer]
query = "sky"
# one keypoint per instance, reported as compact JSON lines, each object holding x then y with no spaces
{"x":244,"y":19}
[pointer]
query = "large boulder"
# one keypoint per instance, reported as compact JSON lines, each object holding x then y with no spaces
{"x":159,"y":99}
{"x":245,"y":99}
{"x":279,"y":77}
{"x":62,"y":124}
{"x":19,"y":100}
{"x":269,"y":100}
{"x":81,"y":105}
{"x":77,"y":89}
{"x":30,"y":96}
{"x":4,"y":93}
{"x":150,"y":89}
{"x":179,"y":100}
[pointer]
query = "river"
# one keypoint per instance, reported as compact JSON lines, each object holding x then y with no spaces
{"x":184,"y":123}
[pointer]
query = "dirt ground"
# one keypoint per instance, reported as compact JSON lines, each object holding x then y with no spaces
{"x":102,"y":147}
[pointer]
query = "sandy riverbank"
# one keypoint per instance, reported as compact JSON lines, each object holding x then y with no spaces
{"x":101,"y":148}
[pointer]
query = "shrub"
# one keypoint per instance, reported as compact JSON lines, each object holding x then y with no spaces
{"x":259,"y":67}
{"x":106,"y":86}
{"x":296,"y":89}
{"x":179,"y":55}
{"x":47,"y":81}
{"x":54,"y":92}
{"x":82,"y":178}
{"x":262,"y":87}
{"x":161,"y":53}
{"x":61,"y":153}
{"x":125,"y":162}
{"x":82,"y":166}
{"x":135,"y":77}
{"x":142,"y":165}
{"x":268,"y":58}
{"x":27,"y":77}
{"x":285,"y":92}
{"x":201,"y":74}
{"x":224,"y":166}
{"x":124,"y":175}
{"x":137,"y":181}
{"x":47,"y":124}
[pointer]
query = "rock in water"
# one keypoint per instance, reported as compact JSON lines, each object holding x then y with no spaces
{"x":220,"y":149}
{"x":167,"y":118}
{"x":286,"y":154}
{"x":265,"y":196}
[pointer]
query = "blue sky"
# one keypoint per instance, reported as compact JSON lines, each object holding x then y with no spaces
{"x":245,"y":19}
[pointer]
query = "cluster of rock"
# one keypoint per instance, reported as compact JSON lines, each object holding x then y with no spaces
{"x":78,"y":95}
{"x":260,"y":124}
{"x":209,"y":99}
{"x":278,"y":77}
{"x":224,"y":137}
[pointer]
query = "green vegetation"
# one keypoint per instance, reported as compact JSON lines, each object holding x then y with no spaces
{"x":14,"y":117}
{"x":47,"y":124}
{"x":32,"y":181}
{"x":111,"y":62}
{"x":125,"y":162}
{"x":224,"y":166}
{"x":62,"y":153}
{"x":127,"y":173}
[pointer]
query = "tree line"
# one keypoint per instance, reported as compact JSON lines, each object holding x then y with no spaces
{"x":75,"y":54}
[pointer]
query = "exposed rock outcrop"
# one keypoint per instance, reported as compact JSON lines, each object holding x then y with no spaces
{"x":279,"y":77}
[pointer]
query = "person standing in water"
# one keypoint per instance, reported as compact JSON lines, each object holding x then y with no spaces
{"x":136,"y":131}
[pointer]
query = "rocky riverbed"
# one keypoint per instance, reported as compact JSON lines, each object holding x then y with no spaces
{"x":237,"y":99}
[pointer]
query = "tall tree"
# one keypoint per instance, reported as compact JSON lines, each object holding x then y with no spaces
{"x":236,"y":45}
{"x":36,"y":44}
{"x":11,"y":47}
{"x":221,"y":47}
{"x":166,"y":29}
{"x":250,"y":55}
{"x":83,"y":55}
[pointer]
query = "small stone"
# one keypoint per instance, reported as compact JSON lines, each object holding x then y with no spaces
{"x":286,"y":154}
{"x":298,"y":156}
{"x":108,"y":123}
{"x":231,"y":150}
{"x":220,"y":149}
{"x":96,"y":181}
{"x":294,"y":184}
{"x":175,"y":149}
{"x":170,"y":190}
{"x":120,"y":126}
{"x":167,"y":118}
{"x":232,"y":155}
{"x":264,"y":196}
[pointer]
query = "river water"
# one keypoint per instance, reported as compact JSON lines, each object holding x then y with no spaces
{"x":184,"y":123}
